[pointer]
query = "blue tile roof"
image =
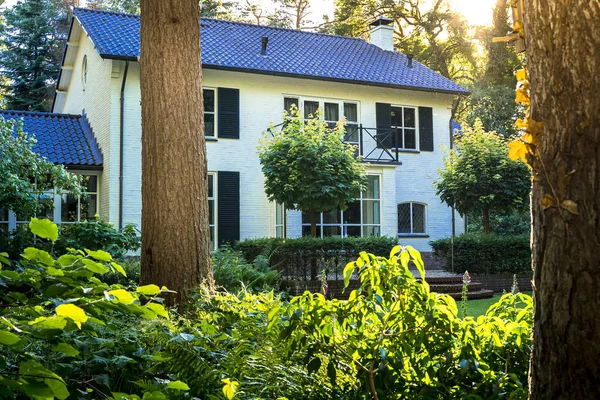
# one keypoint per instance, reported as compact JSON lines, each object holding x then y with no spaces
{"x":236,"y":46}
{"x":61,"y":138}
{"x":456,"y":128}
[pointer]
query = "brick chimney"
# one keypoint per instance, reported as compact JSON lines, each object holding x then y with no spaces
{"x":382,"y":33}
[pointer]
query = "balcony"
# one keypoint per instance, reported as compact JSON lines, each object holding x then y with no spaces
{"x":374,"y":145}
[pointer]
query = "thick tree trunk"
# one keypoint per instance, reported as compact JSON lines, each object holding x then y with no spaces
{"x":313,"y":223}
{"x":175,"y":230}
{"x":563,"y":53}
{"x":486,"y":221}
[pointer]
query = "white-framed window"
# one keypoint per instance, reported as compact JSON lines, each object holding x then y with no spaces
{"x":412,"y":218}
{"x":84,"y":71}
{"x":212,"y":208}
{"x":332,"y":109}
{"x":63,"y":207}
{"x":80,"y":208}
{"x":404,"y":122}
{"x":361,"y":218}
{"x":210,"y":112}
{"x":279,"y":220}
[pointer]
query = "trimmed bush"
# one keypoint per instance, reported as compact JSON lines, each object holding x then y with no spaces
{"x":485,"y":254}
{"x":308,"y":258}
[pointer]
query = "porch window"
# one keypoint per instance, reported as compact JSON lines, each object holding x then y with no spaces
{"x":209,"y":112}
{"x":411,"y":218}
{"x":361,"y":218}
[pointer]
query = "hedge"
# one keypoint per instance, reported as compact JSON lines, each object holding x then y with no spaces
{"x":485,"y":254}
{"x":307,"y":258}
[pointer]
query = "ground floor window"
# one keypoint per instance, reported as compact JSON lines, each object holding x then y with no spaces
{"x":212,"y":209}
{"x":61,"y":207}
{"x":279,"y":220}
{"x":361,"y":218}
{"x":412,"y":218}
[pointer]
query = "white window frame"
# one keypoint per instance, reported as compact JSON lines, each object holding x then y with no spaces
{"x":213,"y":224}
{"x":84,"y":71}
{"x":13,"y":222}
{"x":425,"y":219}
{"x":279,"y":208}
{"x":215,"y":113}
{"x":401,"y":128}
{"x":344,"y":226}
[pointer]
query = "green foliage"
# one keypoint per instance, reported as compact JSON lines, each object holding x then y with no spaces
{"x":402,"y":341}
{"x":29,"y":40}
{"x":25,"y":175}
{"x":515,"y":224}
{"x":308,"y":166}
{"x":478,"y":177}
{"x":485,"y":254}
{"x":285,"y":248}
{"x":66,"y":333}
{"x":232,"y":272}
{"x":92,"y":235}
{"x":492,"y":98}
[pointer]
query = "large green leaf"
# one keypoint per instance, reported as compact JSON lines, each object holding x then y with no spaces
{"x":150,"y":290}
{"x":44,"y":229}
{"x":72,"y":312}
{"x":8,"y":338}
{"x":178,"y":385}
{"x":38,"y":256}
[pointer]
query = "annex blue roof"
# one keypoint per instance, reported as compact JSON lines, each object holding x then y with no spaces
{"x":456,"y":128}
{"x":237,"y":46}
{"x":61,"y":138}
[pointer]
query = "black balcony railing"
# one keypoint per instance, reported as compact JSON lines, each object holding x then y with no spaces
{"x":375,"y":145}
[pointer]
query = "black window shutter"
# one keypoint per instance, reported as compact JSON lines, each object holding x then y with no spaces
{"x":426,"y":128}
{"x":229,"y":113}
{"x":383,"y":115}
{"x":228,"y":207}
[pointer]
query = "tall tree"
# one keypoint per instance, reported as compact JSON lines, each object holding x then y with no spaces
{"x":29,"y":43}
{"x":563,"y":54}
{"x":492,"y":97}
{"x":296,"y":11}
{"x":175,"y":229}
{"x":431,"y":31}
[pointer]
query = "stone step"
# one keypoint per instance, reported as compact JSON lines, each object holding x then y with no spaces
{"x":441,"y":280}
{"x":454,"y":287}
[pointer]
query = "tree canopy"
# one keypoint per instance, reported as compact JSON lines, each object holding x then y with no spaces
{"x":308,"y":166}
{"x":478,"y":176}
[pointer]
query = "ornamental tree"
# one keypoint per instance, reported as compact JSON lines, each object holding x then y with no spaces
{"x":308,"y":166}
{"x":24,"y":174}
{"x":478,"y":177}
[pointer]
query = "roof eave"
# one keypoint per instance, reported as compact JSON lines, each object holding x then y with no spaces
{"x":300,"y":76}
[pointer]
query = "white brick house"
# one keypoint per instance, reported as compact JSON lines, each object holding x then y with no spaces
{"x":400,"y":111}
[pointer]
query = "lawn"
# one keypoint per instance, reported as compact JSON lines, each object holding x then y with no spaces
{"x":476,"y":308}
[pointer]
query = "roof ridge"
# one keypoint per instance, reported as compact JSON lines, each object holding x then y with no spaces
{"x":276,"y":28}
{"x":41,"y":113}
{"x":98,"y":11}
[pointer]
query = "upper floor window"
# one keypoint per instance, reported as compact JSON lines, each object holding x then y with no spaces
{"x":208,"y":96}
{"x":412,"y":218}
{"x":404,"y":124}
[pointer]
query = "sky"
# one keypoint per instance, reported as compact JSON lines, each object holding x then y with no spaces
{"x":477,"y":12}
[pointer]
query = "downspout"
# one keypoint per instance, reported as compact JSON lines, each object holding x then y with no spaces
{"x":453,"y":208}
{"x":121,"y":145}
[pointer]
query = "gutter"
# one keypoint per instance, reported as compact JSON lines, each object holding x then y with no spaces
{"x":121,"y":146}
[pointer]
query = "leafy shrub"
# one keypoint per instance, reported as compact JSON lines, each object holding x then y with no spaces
{"x":485,"y":254}
{"x":92,"y":235}
{"x":516,"y":224}
{"x":233,"y":273}
{"x":66,"y":333}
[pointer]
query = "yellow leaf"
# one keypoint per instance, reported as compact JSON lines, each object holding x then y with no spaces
{"x":123,"y":296}
{"x":548,"y":201}
{"x":522,"y":97}
{"x":230,"y":388}
{"x":149,"y":290}
{"x":521,"y":75}
{"x":521,"y":123}
{"x":518,"y":150}
{"x":570,"y":206}
{"x":72,"y":312}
